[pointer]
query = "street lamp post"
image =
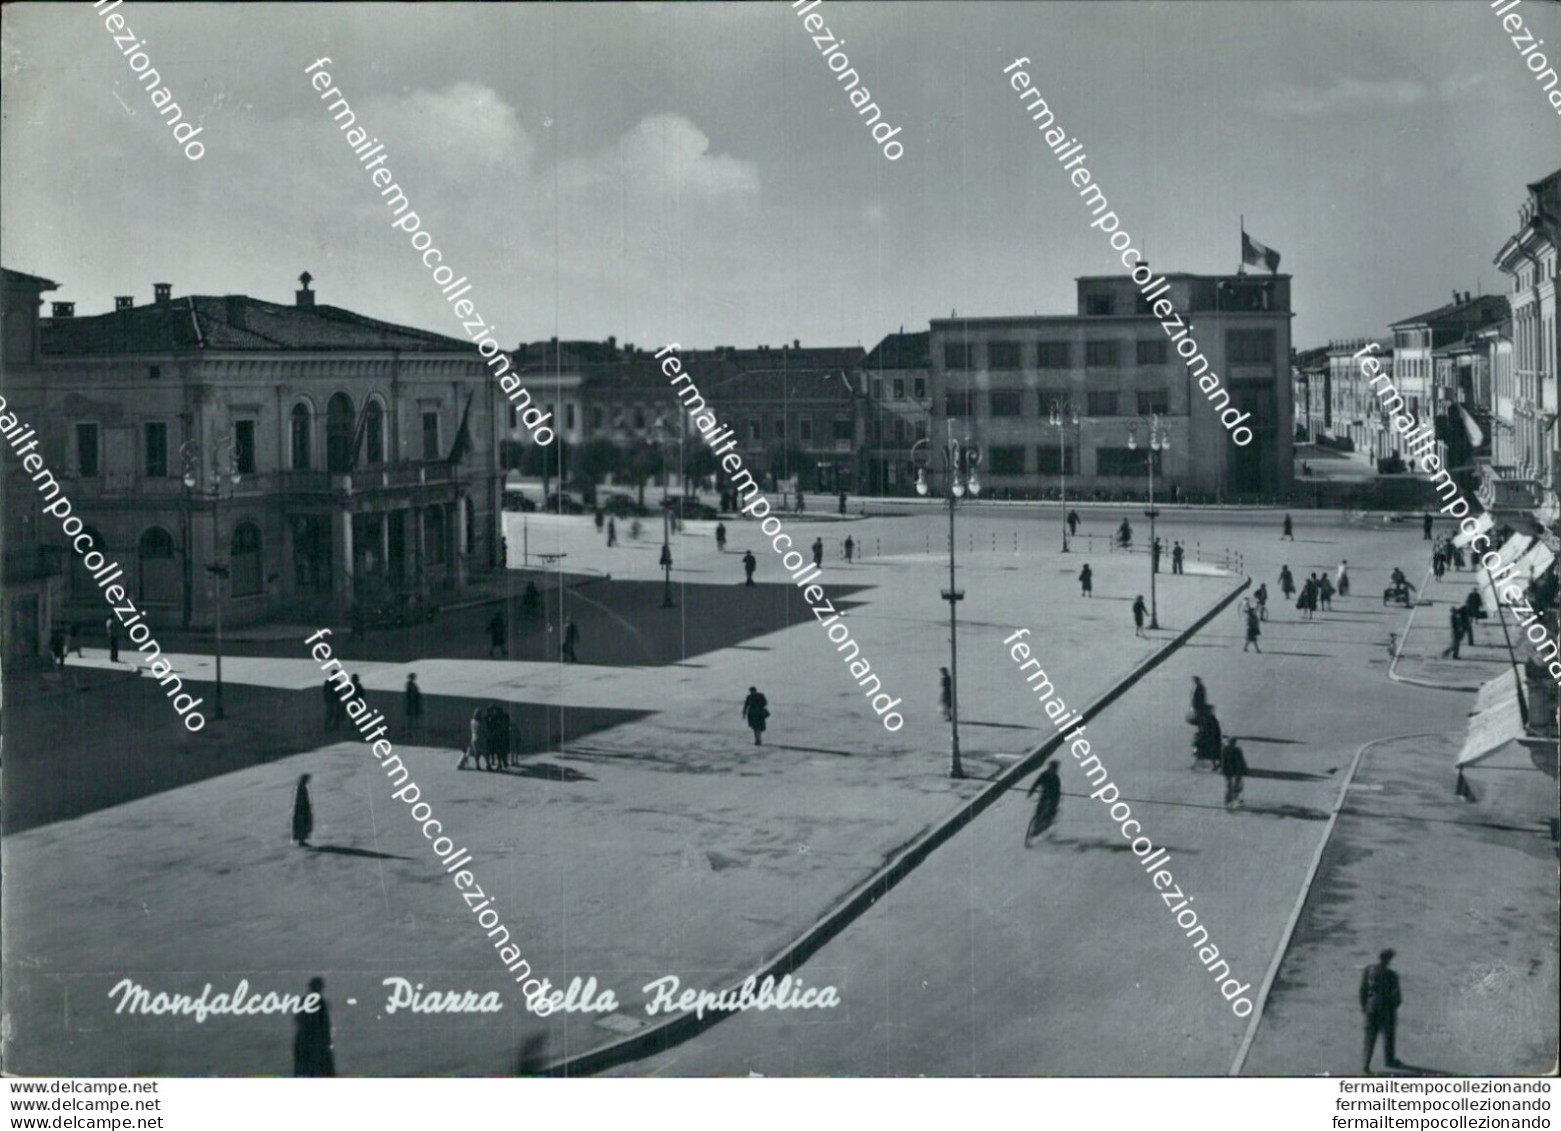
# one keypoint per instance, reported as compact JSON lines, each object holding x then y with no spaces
{"x":1063,"y":413}
{"x":959,"y":465}
{"x":193,"y":454}
{"x":661,"y":438}
{"x":1157,"y":440}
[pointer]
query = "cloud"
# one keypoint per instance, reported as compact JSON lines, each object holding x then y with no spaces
{"x":664,"y":155}
{"x":1345,"y":95}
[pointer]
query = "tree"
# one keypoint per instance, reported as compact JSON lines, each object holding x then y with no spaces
{"x":644,"y":462}
{"x":593,"y":461}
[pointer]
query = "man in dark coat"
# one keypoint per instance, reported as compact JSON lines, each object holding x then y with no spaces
{"x":303,"y":813}
{"x":1233,"y":764}
{"x":1049,"y":784}
{"x":1178,"y":554}
{"x":414,"y":703}
{"x":1289,"y":531}
{"x":1086,"y":580}
{"x":113,"y":640}
{"x":756,"y":710}
{"x":1073,"y":522}
{"x":332,"y":705}
{"x":312,"y":1052}
{"x":1253,"y":629}
{"x":1200,"y":696}
{"x":571,"y":637}
{"x":818,"y":552}
{"x":1287,"y":582}
{"x":1473,"y":610}
{"x":1139,"y":611}
{"x":1379,"y":1001}
{"x":1457,"y":617}
{"x":1426,"y":526}
{"x":850,"y":548}
{"x":842,"y":502}
{"x":720,"y":537}
{"x":750,"y":563}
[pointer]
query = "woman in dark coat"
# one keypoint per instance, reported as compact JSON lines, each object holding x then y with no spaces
{"x":1087,"y":580}
{"x":312,"y":1052}
{"x":756,"y":709}
{"x":1287,"y":583}
{"x":498,"y":737}
{"x":303,"y":813}
{"x":1139,"y":609}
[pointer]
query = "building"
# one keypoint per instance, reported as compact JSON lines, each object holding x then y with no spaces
{"x":1311,"y":389}
{"x":33,"y":560}
{"x":1112,"y":361}
{"x":898,"y":408}
{"x":1416,"y":341}
{"x":1356,"y":420}
{"x":1530,"y":258}
{"x":355,"y":461}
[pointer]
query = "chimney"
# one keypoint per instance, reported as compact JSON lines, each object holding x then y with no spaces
{"x":235,"y":305}
{"x":304,"y":296}
{"x":63,"y":310}
{"x":796,"y":343}
{"x":162,"y":293}
{"x":124,"y":302}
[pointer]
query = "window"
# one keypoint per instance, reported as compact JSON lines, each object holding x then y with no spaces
{"x":300,"y":437}
{"x":245,"y":560}
{"x":899,"y":388}
{"x":1097,"y":304}
{"x":1004,"y":355}
{"x":154,"y":371}
{"x":339,"y":427}
{"x":1154,"y":400}
{"x":374,"y":433}
{"x":1102,"y":402}
{"x":921,"y":429}
{"x":1128,"y":462}
{"x":87,"y":450}
{"x":1249,"y":347}
{"x":156,"y":465}
{"x":1006,"y":460}
{"x":1046,"y":460}
{"x":919,"y":385}
{"x":844,"y":430}
{"x":1053,"y":355}
{"x":805,"y":429}
{"x":956,"y":356}
{"x":569,"y":417}
{"x":430,"y":435}
{"x":244,"y":446}
{"x":1100,"y":353}
{"x":1006,"y":402}
{"x":780,"y":427}
{"x":1152,"y":352}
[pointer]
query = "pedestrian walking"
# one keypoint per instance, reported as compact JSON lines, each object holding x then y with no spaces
{"x":313,"y":1053}
{"x":1253,"y":630}
{"x":756,"y":710}
{"x":946,"y":693}
{"x":1474,"y":609}
{"x":1125,"y":534}
{"x":413,"y":698}
{"x":842,"y":502}
{"x":1087,"y":580}
{"x":1344,"y":578}
{"x":1439,"y":563}
{"x":303,"y":813}
{"x":612,"y":533}
{"x":1049,"y":785}
{"x":801,"y":506}
{"x":57,"y":646}
{"x":1379,"y":1001}
{"x":1139,"y":610}
{"x":1200,"y":697}
{"x":818,"y":552}
{"x":750,"y":563}
{"x":1456,"y":619}
{"x":1178,"y":555}
{"x":498,"y":636}
{"x":1260,"y":595}
{"x":1233,"y":765}
{"x":1426,"y":526}
{"x":1457,"y":552}
{"x":112,"y":626}
{"x":498,"y":729}
{"x":1206,"y":744}
{"x":1289,"y":530}
{"x":1154,"y":556}
{"x":1073,"y":522}
{"x":720,"y":537}
{"x":476,"y":750}
{"x":571,"y":637}
{"x":332,"y":705}
{"x":1287,"y":582}
{"x":1307,"y":601}
{"x":850,"y":548}
{"x":1325,"y":591}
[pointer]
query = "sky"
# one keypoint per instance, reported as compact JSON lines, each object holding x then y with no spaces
{"x":695,"y":173}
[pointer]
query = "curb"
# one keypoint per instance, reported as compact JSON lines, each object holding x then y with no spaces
{"x":1300,"y":903}
{"x":1411,"y":680}
{"x":674,"y":1031}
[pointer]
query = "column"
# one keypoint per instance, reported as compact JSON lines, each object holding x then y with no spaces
{"x":341,"y":559}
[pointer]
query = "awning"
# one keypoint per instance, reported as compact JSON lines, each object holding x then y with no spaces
{"x":1471,"y":427}
{"x":1497,"y":721}
{"x":1513,"y":550}
{"x":1482,"y":525}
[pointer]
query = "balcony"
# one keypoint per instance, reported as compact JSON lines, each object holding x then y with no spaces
{"x":391,"y":477}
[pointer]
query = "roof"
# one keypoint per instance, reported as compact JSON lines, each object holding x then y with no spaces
{"x":30,"y":282}
{"x":901,"y":351}
{"x":234,"y":322}
{"x":1477,"y":311}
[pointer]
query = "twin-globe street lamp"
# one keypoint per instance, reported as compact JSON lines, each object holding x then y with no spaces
{"x":1063,"y":413}
{"x":193,"y":454}
{"x":1157,"y":440}
{"x":959,"y":465}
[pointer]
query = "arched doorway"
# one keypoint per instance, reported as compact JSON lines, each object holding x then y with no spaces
{"x":159,"y":567}
{"x":338,"y":434}
{"x":302,"y":435}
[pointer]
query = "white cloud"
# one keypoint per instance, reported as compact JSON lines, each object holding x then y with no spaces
{"x":1345,"y":94}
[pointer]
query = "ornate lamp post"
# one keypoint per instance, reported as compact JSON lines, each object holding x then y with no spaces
{"x":1157,"y":440}
{"x":959,"y":466}
{"x":193,"y":454}
{"x":1063,"y":413}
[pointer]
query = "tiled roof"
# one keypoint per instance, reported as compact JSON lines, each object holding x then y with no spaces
{"x":1477,"y":311}
{"x":234,"y":322}
{"x":901,"y":351}
{"x":22,"y":279}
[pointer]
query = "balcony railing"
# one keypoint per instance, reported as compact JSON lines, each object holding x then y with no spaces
{"x":367,"y":479}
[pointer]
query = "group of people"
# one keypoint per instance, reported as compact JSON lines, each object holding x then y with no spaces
{"x":492,"y":739}
{"x":1462,"y":618}
{"x":1210,"y":745}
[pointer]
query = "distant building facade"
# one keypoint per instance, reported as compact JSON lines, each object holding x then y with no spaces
{"x":1113,"y":362}
{"x":898,"y":407}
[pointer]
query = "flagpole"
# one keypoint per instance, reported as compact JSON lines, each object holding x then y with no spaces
{"x":1242,"y":270}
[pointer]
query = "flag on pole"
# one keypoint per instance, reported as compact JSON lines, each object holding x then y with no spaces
{"x":1257,"y":255}
{"x":463,"y":435}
